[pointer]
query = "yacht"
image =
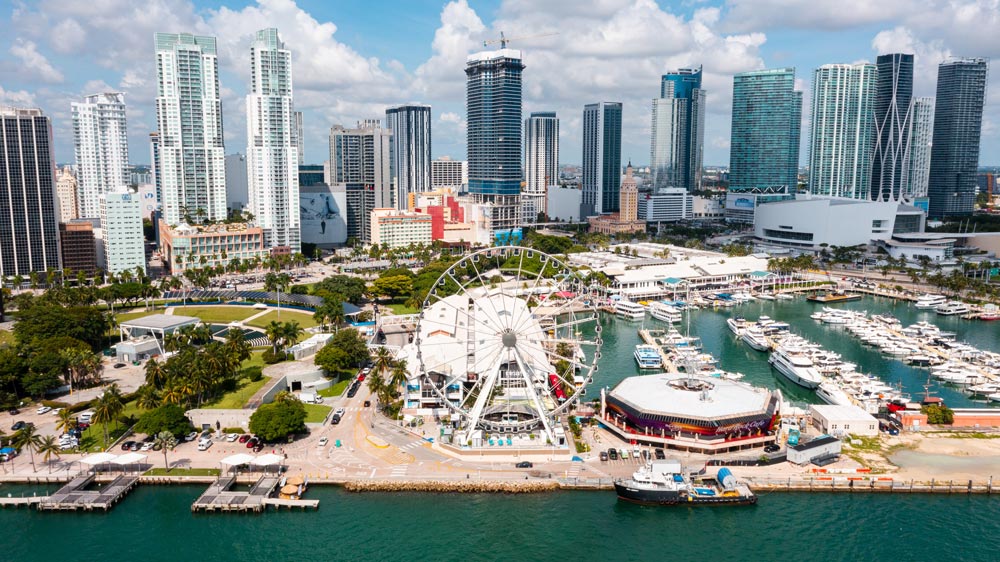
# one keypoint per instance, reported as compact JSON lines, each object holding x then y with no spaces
{"x":930,"y":301}
{"x":755,"y":338}
{"x":648,"y":357}
{"x":784,"y":297}
{"x":661,"y":482}
{"x":630,"y":310}
{"x":765,"y":297}
{"x":665,"y":312}
{"x":831,"y":393}
{"x":796,"y":367}
{"x":952,"y":308}
{"x":737,"y":325}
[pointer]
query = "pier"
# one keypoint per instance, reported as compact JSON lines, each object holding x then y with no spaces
{"x":74,"y":495}
{"x":218,"y":496}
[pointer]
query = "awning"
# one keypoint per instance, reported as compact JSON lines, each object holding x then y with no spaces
{"x":238,"y":459}
{"x":267,"y":460}
{"x":128,"y":458}
{"x":98,"y":458}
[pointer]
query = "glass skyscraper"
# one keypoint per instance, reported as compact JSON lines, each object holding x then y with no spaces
{"x":602,"y":157}
{"x":958,"y":123}
{"x":677,"y":130}
{"x":493,"y":134}
{"x":411,"y":149}
{"x":541,"y":162}
{"x":843,"y":124}
{"x":921,"y":137}
{"x":893,"y":122}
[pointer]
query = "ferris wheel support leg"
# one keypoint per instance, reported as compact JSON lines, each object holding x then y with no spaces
{"x":484,"y":395}
{"x":542,"y":414}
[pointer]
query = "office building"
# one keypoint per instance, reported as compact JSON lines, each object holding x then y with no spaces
{"x":921,"y":137}
{"x":184,"y":246}
{"x":121,"y":229}
{"x":66,"y":188}
{"x":100,"y":145}
{"x":841,"y":131}
{"x":76,"y":241}
{"x":678,"y":131}
{"x":299,"y":135}
{"x":893,"y":115}
{"x":191,"y":171}
{"x":453,"y":174}
{"x":668,"y":204}
{"x":311,"y":174}
{"x":272,"y":143}
{"x":764,"y":150}
{"x":411,"y":150}
{"x":564,"y":202}
{"x":360,"y":160}
{"x":541,"y":162}
{"x":237,"y":185}
{"x":602,"y":157}
{"x":958,"y":124}
{"x":154,"y":166}
{"x":398,"y":229}
{"x":28,"y":232}
{"x":493,"y":136}
{"x":148,"y":204}
{"x":627,"y":220}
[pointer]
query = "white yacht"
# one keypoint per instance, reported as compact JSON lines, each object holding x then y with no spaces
{"x":796,"y":368}
{"x":737,"y":325}
{"x":765,"y":297}
{"x":630,"y":310}
{"x":648,"y":357}
{"x":665,"y":312}
{"x":952,"y":308}
{"x":930,"y":301}
{"x":755,"y":338}
{"x":831,"y":393}
{"x":784,"y":297}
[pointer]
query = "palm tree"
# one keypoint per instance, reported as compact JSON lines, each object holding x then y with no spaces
{"x":103,"y":414}
{"x":28,"y":438}
{"x":376,"y":383}
{"x":147,"y":398}
{"x":77,"y":362}
{"x":398,"y":375}
{"x":156,"y":373}
{"x":382,"y":361}
{"x":47,"y":447}
{"x":173,"y":394}
{"x":165,"y":440}
{"x":273,"y":331}
{"x":66,"y":421}
{"x":291,"y":333}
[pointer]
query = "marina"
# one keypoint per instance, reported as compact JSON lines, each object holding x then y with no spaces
{"x":78,"y":494}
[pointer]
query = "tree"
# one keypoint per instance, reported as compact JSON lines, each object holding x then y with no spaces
{"x":350,"y":289}
{"x":66,"y":421}
{"x":27,"y":438}
{"x":938,"y":415}
{"x":345,"y":351}
{"x":166,"y":441}
{"x":382,"y":360}
{"x":394,"y":286}
{"x":166,"y":418}
{"x":274,"y":332}
{"x":43,"y":321}
{"x":47,"y":447}
{"x":278,"y":419}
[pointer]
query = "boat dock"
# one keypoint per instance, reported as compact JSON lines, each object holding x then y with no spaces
{"x":218,"y":496}
{"x":649,"y":338}
{"x":74,"y":495}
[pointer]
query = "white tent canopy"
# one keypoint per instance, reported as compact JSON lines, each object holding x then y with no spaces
{"x":268,"y":459}
{"x":128,"y":458}
{"x":237,"y":459}
{"x":98,"y":458}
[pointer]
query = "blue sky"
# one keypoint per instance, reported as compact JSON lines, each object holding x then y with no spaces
{"x":352,"y":58}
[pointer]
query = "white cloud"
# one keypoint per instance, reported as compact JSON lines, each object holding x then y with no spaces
{"x":68,"y":36}
{"x":743,"y":15}
{"x":16,"y":98}
{"x":35,"y":63}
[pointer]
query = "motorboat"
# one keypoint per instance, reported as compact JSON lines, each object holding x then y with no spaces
{"x":648,"y":356}
{"x":630,"y":310}
{"x":796,"y":367}
{"x":930,"y":301}
{"x":665,"y":312}
{"x":754,"y":337}
{"x":831,"y":393}
{"x":737,"y":325}
{"x":661,"y":482}
{"x":952,"y":308}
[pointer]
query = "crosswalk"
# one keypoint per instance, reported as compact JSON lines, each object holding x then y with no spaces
{"x":399,"y":470}
{"x":412,"y":445}
{"x":574,"y":470}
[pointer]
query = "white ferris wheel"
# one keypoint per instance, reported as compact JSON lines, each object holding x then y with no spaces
{"x":508,"y":340}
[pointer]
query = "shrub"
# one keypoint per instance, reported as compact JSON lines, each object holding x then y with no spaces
{"x":270,"y":357}
{"x":168,"y":417}
{"x":54,"y":404}
{"x":254,"y":373}
{"x":233,"y":430}
{"x":276,"y":420}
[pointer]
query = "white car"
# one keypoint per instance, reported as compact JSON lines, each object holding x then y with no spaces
{"x":204,"y":444}
{"x":43,"y":410}
{"x":232,"y":437}
{"x":147,"y":446}
{"x":323,"y":441}
{"x":339,"y":412}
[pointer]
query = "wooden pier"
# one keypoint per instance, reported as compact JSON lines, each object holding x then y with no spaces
{"x":73,"y":496}
{"x":218,"y":496}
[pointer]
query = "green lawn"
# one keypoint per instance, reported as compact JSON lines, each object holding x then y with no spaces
{"x":124,"y":316}
{"x":400,"y":308}
{"x":217,"y":314}
{"x":237,"y":398}
{"x":304,"y":319}
{"x":256,"y":360}
{"x":316,"y":413}
{"x":182,"y":471}
{"x":336,"y":390}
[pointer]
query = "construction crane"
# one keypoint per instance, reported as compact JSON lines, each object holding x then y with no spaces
{"x":503,"y":40}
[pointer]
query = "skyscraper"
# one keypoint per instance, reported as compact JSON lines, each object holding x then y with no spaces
{"x":921,"y":136}
{"x":192,"y":170}
{"x":446,"y":172}
{"x":602,"y":157}
{"x":411,"y":149}
{"x":958,"y":123}
{"x":29,"y":240}
{"x":121,"y":226}
{"x":843,"y":123}
{"x":893,"y":118}
{"x":493,"y":137}
{"x":360,"y":160}
{"x":154,"y":166}
{"x":66,"y":195}
{"x":272,"y":143}
{"x":541,"y":162}
{"x":300,"y":136}
{"x":677,"y":131}
{"x":100,"y":144}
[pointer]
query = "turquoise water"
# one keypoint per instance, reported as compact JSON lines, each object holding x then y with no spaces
{"x":155,"y":524}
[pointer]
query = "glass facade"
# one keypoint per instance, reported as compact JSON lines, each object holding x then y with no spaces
{"x":541,"y":162}
{"x":411,"y":149}
{"x":677,"y":131}
{"x":921,"y":137}
{"x":893,"y":117}
{"x":958,"y":124}
{"x":602,"y":157}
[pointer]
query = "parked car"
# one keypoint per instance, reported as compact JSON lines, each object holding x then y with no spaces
{"x":323,"y":441}
{"x":361,"y":377}
{"x":136,"y":446}
{"x":335,"y":419}
{"x":772,"y":448}
{"x":191,"y":436}
{"x":244,"y":438}
{"x":258,"y":448}
{"x":339,"y":411}
{"x":119,"y":365}
{"x":18,"y":426}
{"x":612,"y":454}
{"x":146,"y":447}
{"x":624,"y":454}
{"x":13,"y":411}
{"x":659,"y":454}
{"x":232,"y":437}
{"x":204,"y":444}
{"x":43,"y":410}
{"x":127,"y":446}
{"x":604,"y":456}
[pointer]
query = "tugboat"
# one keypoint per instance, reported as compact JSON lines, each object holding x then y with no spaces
{"x":661,"y":482}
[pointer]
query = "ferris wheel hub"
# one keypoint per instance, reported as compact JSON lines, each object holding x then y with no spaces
{"x":509,"y":339}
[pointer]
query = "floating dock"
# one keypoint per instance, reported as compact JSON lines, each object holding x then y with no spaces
{"x":74,"y":496}
{"x":218,"y":496}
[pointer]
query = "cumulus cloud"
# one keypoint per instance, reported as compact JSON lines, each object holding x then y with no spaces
{"x":743,"y":15}
{"x":35,"y":63}
{"x":16,"y":98}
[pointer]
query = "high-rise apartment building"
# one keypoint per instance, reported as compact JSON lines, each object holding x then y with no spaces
{"x":541,"y":162}
{"x":300,"y":136}
{"x":76,"y":241}
{"x":100,"y":144}
{"x":411,"y":150}
{"x":493,"y":135}
{"x":191,"y":171}
{"x":121,"y":226}
{"x":921,"y":137}
{"x":602,"y":157}
{"x":446,"y":172}
{"x":237,"y":185}
{"x":66,"y":188}
{"x":29,"y":238}
{"x":360,"y":159}
{"x":154,"y":159}
{"x":958,"y":124}
{"x":272,"y":143}
{"x":893,"y":122}
{"x":678,"y":131}
{"x":842,"y":127}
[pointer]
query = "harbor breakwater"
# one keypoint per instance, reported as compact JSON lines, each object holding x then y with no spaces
{"x":460,"y":486}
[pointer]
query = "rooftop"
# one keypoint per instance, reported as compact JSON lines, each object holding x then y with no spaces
{"x":834,"y":412}
{"x":723,"y":398}
{"x":160,"y":322}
